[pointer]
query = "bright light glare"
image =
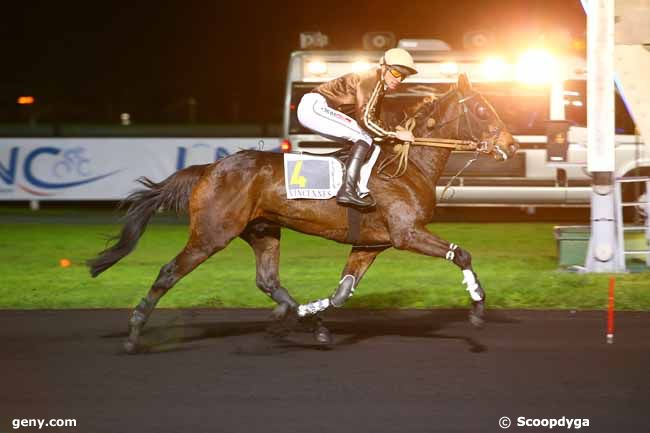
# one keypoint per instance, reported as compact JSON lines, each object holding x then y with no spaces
{"x":25,"y":100}
{"x":537,"y":67}
{"x":449,"y":68}
{"x":125,"y":119}
{"x":494,"y":68}
{"x":317,"y":67}
{"x":360,"y":66}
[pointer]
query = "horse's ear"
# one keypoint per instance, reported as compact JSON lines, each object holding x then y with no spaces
{"x":463,"y":83}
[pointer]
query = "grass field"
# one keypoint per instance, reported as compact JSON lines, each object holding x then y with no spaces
{"x":516,"y":263}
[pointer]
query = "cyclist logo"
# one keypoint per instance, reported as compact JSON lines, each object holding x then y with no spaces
{"x":73,"y":163}
{"x":52,"y":168}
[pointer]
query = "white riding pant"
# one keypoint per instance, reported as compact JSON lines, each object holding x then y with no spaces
{"x":314,"y":113}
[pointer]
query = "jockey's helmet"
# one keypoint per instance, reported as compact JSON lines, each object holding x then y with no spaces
{"x":399,"y":58}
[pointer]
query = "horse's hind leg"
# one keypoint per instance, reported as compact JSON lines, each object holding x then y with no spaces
{"x":206,"y":239}
{"x":189,"y":258}
{"x":264,"y":238}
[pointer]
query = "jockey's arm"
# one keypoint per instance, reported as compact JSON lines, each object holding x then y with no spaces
{"x":368,"y":115}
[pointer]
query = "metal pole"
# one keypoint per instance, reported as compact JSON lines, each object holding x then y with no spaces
{"x":647,"y":221}
{"x":603,"y":248}
{"x":620,"y":232}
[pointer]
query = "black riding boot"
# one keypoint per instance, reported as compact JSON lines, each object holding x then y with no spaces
{"x":349,"y":192}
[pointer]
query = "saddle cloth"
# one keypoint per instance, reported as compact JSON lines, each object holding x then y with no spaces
{"x":320,"y":177}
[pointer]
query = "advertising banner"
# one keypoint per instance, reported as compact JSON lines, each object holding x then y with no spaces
{"x":103,"y":168}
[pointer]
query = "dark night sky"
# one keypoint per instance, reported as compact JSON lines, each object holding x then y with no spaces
{"x":92,"y":58}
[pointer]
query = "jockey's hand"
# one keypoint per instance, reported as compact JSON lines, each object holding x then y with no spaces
{"x":404,"y":135}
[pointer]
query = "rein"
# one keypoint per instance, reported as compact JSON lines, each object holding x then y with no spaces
{"x":447,"y":143}
{"x":401,"y":154}
{"x":401,"y":150}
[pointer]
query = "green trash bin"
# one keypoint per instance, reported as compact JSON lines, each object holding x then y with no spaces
{"x":572,"y":244}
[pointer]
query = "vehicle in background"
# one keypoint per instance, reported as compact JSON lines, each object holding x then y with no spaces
{"x":526,"y":90}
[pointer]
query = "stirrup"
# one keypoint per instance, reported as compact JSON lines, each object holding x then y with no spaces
{"x":355,"y":200}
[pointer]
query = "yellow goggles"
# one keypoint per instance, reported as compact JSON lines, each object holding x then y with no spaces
{"x":395,"y":73}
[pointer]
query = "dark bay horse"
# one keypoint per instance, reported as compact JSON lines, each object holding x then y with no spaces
{"x":244,"y":195}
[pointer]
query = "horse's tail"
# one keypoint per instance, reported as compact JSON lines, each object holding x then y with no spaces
{"x":172,"y":193}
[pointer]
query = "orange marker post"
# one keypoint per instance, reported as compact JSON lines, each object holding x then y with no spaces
{"x":610,"y":311}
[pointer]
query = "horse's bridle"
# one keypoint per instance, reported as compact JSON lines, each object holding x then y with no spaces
{"x":465,"y":113}
{"x":474,"y":144}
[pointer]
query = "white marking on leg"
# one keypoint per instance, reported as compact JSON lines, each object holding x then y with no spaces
{"x":313,"y":307}
{"x":472,"y":285}
{"x":451,"y":254}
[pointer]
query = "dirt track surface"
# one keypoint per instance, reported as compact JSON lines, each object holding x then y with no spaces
{"x":388,"y":371}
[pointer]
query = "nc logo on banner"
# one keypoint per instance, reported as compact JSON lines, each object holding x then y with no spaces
{"x":47,"y":169}
{"x":200,"y":153}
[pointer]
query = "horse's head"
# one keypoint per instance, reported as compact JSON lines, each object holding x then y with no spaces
{"x":464,"y":114}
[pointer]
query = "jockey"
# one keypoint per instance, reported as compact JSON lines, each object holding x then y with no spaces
{"x":331,"y":109}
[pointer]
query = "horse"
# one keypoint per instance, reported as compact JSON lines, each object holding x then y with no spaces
{"x":243,"y":195}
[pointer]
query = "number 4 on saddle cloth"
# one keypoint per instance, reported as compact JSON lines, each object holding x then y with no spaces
{"x":309,"y":176}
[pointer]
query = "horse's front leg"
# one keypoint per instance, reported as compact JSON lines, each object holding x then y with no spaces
{"x":420,"y":240}
{"x":359,"y":261}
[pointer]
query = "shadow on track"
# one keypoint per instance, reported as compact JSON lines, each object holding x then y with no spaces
{"x":274,"y":337}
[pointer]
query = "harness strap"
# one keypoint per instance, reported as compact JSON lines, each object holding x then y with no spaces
{"x":354,"y":226}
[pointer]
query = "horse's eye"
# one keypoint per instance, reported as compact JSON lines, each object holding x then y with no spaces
{"x":482,"y":112}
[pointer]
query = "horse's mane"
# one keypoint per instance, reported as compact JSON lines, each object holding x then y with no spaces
{"x":424,"y":108}
{"x":427,"y":105}
{"x":430,"y":107}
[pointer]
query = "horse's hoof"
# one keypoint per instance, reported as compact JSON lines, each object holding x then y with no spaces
{"x":476,"y":314}
{"x":322,"y":335}
{"x":130,"y":347}
{"x":476,"y":321}
{"x":280,"y":311}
